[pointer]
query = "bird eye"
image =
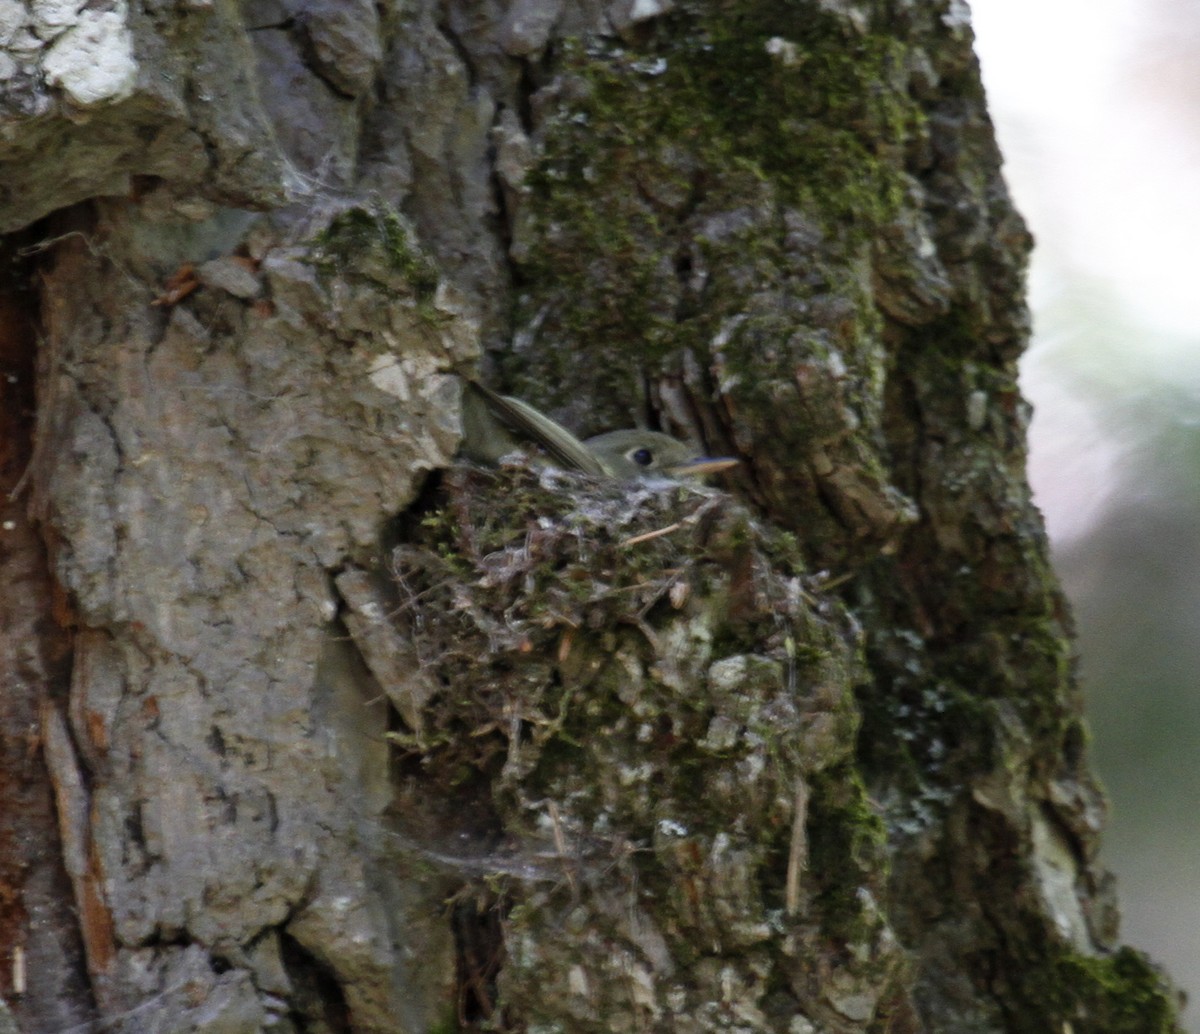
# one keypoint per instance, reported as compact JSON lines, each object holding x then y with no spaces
{"x":642,"y":457}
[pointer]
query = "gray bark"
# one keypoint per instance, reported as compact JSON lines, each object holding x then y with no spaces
{"x":343,"y":736}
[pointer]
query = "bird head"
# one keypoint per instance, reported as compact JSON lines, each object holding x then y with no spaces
{"x":636,"y":453}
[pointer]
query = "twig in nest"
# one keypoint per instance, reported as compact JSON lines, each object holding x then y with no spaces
{"x":560,"y":843}
{"x":646,"y":536}
{"x":564,"y":645}
{"x":650,"y":635}
{"x":798,"y":850}
{"x":832,"y":582}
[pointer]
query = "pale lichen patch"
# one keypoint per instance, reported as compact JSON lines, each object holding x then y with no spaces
{"x":93,"y":59}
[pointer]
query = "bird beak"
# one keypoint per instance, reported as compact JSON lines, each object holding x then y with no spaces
{"x":702,"y":466}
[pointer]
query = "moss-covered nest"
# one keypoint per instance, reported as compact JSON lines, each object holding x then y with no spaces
{"x":635,"y":693}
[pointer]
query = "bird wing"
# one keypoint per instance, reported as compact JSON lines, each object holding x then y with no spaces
{"x":540,"y":429}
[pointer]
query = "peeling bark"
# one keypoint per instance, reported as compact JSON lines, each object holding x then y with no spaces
{"x":344,"y":736}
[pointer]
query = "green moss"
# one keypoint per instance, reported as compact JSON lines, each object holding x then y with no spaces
{"x":447,"y":1025}
{"x":700,"y":120}
{"x":1120,"y":993}
{"x":816,"y":124}
{"x":847,"y":843}
{"x":367,"y":242}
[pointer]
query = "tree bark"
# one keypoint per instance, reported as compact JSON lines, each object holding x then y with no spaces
{"x":311,"y":728}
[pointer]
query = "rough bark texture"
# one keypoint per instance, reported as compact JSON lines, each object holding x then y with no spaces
{"x":338,"y":736}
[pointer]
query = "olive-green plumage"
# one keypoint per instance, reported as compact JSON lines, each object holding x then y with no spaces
{"x":637,"y":453}
{"x":495,"y":425}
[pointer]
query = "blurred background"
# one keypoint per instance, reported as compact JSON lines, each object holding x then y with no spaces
{"x":1097,"y":107}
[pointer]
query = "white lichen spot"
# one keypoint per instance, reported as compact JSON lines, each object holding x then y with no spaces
{"x":785,"y":50}
{"x":957,"y":17}
{"x":722,"y":734}
{"x":728,"y":673}
{"x":641,"y":986}
{"x":633,"y":775}
{"x":645,"y":9}
{"x":728,"y":979}
{"x":1057,"y":872}
{"x":386,"y":373}
{"x":523,"y":951}
{"x":577,"y":981}
{"x":341,"y":905}
{"x":93,"y":60}
{"x":752,"y":933}
{"x":857,"y":1007}
{"x":655,"y":67}
{"x":850,"y":995}
{"x":926,"y":248}
{"x":50,"y":17}
{"x":848,"y":11}
{"x":751,"y":768}
{"x":977,"y":410}
{"x":672,"y":828}
{"x":12,"y":20}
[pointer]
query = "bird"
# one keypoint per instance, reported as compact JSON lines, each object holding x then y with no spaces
{"x":495,"y":425}
{"x":637,"y":453}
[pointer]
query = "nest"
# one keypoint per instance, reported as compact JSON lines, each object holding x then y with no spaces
{"x":526,"y":607}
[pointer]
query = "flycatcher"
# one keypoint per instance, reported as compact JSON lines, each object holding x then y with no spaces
{"x":495,"y":425}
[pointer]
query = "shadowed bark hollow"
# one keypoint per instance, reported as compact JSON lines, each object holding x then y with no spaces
{"x":310,"y":728}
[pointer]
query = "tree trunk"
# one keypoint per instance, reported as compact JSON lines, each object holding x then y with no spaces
{"x":310,"y":728}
